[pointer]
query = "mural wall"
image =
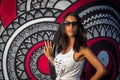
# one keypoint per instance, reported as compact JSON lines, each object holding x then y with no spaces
{"x":26,"y":24}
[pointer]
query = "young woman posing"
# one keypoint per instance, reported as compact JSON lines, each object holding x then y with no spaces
{"x":72,"y":51}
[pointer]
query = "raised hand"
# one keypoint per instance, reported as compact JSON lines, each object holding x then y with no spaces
{"x":48,"y":49}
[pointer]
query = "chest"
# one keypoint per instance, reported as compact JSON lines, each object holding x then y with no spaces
{"x":65,"y":64}
{"x":63,"y":61}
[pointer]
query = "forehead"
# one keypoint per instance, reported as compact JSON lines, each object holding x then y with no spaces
{"x":70,"y":18}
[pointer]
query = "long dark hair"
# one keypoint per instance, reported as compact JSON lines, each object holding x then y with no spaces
{"x":80,"y":38}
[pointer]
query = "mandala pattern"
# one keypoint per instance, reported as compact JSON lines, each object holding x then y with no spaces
{"x":23,"y":34}
{"x":22,"y":42}
{"x":27,"y":5}
{"x":103,"y":33}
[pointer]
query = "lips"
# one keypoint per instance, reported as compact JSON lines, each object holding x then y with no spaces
{"x":70,"y":30}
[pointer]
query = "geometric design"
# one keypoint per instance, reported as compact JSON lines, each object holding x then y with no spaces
{"x":28,"y":27}
{"x":107,"y":50}
{"x":32,"y":26}
{"x":106,"y":23}
{"x":101,"y":22}
{"x":15,"y":28}
{"x":22,"y":43}
{"x":33,"y":56}
{"x":29,"y":5}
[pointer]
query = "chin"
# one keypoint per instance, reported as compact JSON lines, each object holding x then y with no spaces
{"x":71,"y":35}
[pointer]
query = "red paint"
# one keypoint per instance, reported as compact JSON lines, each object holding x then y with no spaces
{"x":7,"y":11}
{"x":43,"y":65}
{"x":112,"y":59}
{"x":27,"y":61}
{"x":73,"y":8}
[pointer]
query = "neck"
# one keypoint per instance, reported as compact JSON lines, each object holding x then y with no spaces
{"x":72,"y":40}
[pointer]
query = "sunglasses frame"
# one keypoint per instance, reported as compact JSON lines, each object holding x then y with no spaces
{"x":67,"y":23}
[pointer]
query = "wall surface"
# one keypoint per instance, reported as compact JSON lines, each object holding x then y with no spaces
{"x":26,"y":24}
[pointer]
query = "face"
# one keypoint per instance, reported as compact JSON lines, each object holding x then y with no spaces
{"x":71,"y":26}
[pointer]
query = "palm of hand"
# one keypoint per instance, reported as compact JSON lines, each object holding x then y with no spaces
{"x":48,"y":49}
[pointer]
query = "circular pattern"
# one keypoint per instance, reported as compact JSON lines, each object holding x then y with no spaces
{"x":101,"y":21}
{"x":23,"y":42}
{"x":17,"y":39}
{"x":103,"y":57}
{"x":37,"y":19}
{"x":29,"y":5}
{"x":31,"y":44}
{"x":105,"y":47}
{"x":43,"y":65}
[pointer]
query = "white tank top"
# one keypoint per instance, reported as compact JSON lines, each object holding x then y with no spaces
{"x":67,"y":68}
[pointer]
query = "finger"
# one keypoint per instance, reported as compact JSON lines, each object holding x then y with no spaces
{"x":44,"y":50}
{"x":50,"y":44}
{"x":53,"y":46}
{"x":45,"y":43}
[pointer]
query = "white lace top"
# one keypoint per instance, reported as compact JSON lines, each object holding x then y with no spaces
{"x":67,"y":68}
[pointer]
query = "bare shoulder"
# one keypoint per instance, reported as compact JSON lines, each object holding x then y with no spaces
{"x":87,"y":52}
{"x":85,"y":49}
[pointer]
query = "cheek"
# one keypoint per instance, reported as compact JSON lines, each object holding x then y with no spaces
{"x":66,"y":29}
{"x":76,"y":30}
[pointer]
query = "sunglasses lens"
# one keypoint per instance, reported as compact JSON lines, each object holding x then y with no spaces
{"x":67,"y":23}
{"x":74,"y":23}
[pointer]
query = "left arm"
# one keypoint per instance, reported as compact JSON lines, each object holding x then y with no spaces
{"x":95,"y":62}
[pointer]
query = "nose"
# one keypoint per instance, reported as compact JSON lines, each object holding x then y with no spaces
{"x":71,"y":25}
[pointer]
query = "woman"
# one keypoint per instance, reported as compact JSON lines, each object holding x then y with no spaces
{"x":72,"y":51}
